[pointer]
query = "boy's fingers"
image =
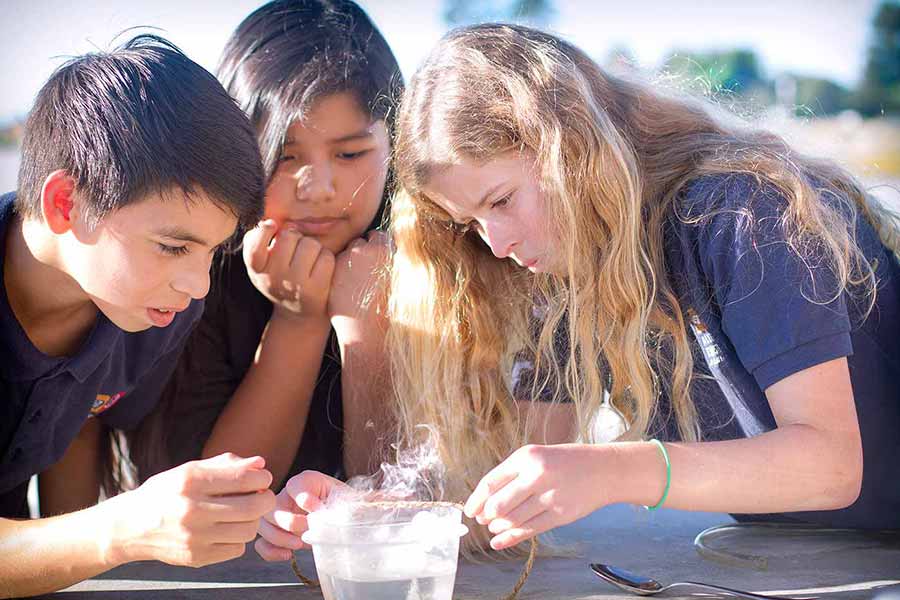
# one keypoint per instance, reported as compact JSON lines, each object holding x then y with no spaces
{"x":216,"y":480}
{"x":279,"y":537}
{"x":256,"y":245}
{"x":498,"y":477}
{"x":270,"y":552}
{"x":239,"y":507}
{"x":507,"y":498}
{"x":234,"y":533}
{"x":534,"y":526}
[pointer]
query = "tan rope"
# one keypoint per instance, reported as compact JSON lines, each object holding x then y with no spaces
{"x":526,"y":571}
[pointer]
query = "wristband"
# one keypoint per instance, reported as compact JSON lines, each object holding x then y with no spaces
{"x":665,"y":455}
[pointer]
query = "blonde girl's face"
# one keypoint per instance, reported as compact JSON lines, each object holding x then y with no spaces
{"x":502,"y":201}
{"x":330,"y":177}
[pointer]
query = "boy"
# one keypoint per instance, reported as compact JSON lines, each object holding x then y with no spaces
{"x":136,"y":167}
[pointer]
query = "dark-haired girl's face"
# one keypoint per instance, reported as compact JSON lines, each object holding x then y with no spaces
{"x":330,"y":177}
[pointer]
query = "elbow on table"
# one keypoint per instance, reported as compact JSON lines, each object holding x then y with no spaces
{"x":847,"y":482}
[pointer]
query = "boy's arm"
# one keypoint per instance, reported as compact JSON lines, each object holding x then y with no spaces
{"x":73,"y":483}
{"x":267,"y":413}
{"x":197,"y":514}
{"x":31,"y":564}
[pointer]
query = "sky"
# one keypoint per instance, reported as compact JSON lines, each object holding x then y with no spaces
{"x":825,"y":38}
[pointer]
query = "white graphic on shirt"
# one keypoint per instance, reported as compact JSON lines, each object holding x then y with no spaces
{"x":749,"y":424}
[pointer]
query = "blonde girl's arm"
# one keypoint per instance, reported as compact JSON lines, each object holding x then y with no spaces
{"x":811,"y":461}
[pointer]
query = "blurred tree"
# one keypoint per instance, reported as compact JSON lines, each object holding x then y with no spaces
{"x":817,"y":97}
{"x":735,"y":71}
{"x":879,"y":91}
{"x":465,"y":12}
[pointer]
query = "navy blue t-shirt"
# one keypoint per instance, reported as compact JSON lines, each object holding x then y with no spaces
{"x":44,"y":401}
{"x":758,"y":313}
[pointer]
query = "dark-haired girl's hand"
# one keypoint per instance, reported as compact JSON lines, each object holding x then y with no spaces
{"x":280,"y":529}
{"x":359,"y":276}
{"x":292,"y":270}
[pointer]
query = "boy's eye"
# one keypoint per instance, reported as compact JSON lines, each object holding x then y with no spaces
{"x":173,"y":250}
{"x":285,"y":158}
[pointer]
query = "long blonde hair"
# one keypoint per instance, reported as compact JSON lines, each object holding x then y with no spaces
{"x":611,"y":155}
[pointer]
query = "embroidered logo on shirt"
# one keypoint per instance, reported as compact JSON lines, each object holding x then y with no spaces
{"x":104,"y":402}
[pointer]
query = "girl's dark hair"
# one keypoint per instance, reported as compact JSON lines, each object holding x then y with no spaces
{"x":141,"y":119}
{"x":290,"y":53}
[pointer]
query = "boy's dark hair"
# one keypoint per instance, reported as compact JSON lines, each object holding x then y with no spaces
{"x":289,"y":53}
{"x":139,"y":120}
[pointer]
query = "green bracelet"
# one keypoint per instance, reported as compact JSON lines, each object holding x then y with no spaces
{"x":665,"y":493}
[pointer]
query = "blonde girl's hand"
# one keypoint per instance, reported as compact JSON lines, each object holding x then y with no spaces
{"x":292,"y":270}
{"x":280,"y":529}
{"x":537,"y":489}
{"x":356,"y":283}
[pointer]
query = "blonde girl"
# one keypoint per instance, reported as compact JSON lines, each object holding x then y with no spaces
{"x":734,"y":297}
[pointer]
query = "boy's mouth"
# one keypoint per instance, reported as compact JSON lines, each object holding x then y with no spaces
{"x":162,"y":317}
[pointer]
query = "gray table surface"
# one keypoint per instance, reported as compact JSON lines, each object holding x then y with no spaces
{"x":659,"y":545}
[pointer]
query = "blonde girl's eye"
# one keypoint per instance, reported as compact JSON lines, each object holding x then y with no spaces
{"x":501,"y":202}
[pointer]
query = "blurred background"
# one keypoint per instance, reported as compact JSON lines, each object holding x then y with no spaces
{"x":823,"y":73}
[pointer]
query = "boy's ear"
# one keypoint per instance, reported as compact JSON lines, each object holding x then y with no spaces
{"x":57,"y":201}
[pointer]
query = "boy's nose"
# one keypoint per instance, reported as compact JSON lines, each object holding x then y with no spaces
{"x":315,"y":183}
{"x":194,"y":281}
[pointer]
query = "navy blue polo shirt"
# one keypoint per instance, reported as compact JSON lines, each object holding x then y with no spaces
{"x":757,"y":313}
{"x":44,"y":401}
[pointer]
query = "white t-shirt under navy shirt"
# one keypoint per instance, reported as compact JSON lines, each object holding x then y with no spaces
{"x":44,"y":401}
{"x":758,"y":313}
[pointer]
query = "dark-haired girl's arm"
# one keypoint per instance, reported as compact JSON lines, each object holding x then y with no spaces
{"x":268,"y":411}
{"x":357,"y":306}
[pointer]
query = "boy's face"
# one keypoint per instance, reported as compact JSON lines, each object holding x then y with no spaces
{"x":145,"y":262}
{"x":331,"y":172}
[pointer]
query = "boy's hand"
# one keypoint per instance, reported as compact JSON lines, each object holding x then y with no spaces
{"x":280,"y":529}
{"x":199,"y":513}
{"x":536,"y":489}
{"x":357,"y":275}
{"x":294,"y":273}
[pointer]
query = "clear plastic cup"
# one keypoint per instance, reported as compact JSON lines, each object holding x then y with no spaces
{"x":386,"y":550}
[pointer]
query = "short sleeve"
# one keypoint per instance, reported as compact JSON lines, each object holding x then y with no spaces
{"x":780,"y":305}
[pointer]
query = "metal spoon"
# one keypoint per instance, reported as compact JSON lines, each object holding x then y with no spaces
{"x":644,"y":586}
